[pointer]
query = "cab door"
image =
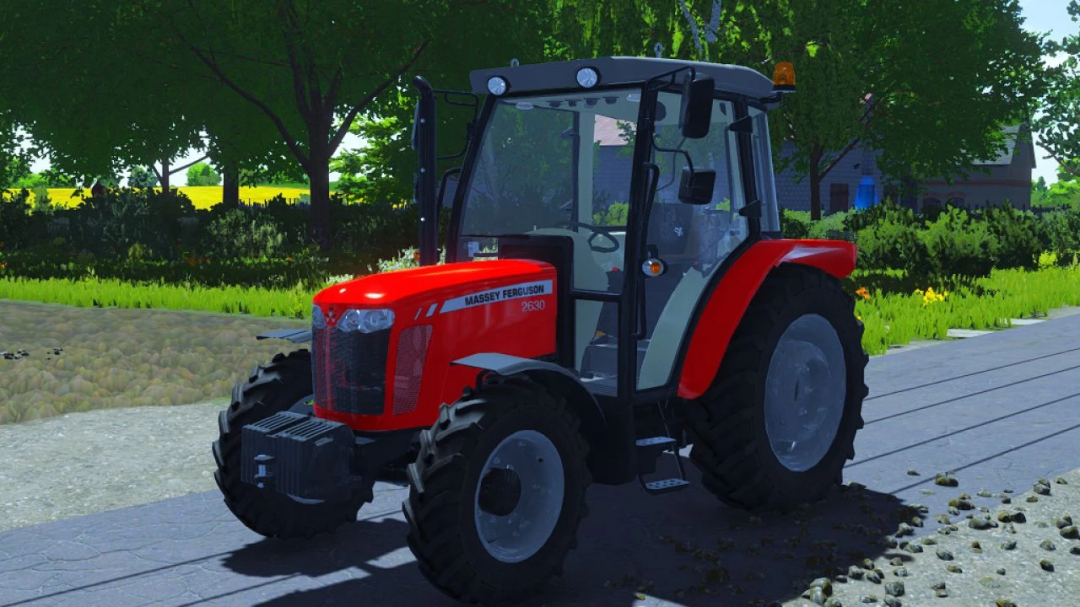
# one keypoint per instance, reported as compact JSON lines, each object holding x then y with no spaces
{"x":693,"y":241}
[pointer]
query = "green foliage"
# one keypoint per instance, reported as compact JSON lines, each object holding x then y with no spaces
{"x":142,"y":178}
{"x":15,"y":219}
{"x":1063,"y":230}
{"x":795,"y":224}
{"x":614,"y":214}
{"x":202,"y":174}
{"x":42,"y":201}
{"x":1059,"y":117}
{"x":954,"y":244}
{"x":1021,"y":236}
{"x":238,"y":234}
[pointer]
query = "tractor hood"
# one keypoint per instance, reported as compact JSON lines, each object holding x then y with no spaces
{"x":434,"y":284}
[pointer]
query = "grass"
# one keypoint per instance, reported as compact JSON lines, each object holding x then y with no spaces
{"x":985,"y":303}
{"x":890,"y":317}
{"x":294,"y":303}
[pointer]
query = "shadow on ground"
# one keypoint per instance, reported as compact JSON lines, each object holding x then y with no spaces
{"x":684,"y":549}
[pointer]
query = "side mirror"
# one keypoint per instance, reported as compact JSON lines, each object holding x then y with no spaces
{"x":696,"y":187}
{"x":695,"y":116}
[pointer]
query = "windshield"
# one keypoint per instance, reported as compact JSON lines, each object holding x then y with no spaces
{"x":547,"y":160}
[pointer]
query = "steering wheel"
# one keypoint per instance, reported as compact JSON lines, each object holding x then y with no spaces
{"x":596,"y":231}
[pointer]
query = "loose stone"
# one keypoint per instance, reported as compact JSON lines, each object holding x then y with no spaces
{"x":816,"y":596}
{"x":840,"y":579}
{"x":962,"y":503}
{"x":938,"y":586}
{"x":855,"y":573}
{"x":914,"y":548}
{"x":833,"y":602}
{"x":1004,"y":603}
{"x":984,"y":493}
{"x":1008,"y":545}
{"x":1006,"y":500}
{"x":874,"y":576}
{"x":825,"y":584}
{"x":894,"y":588}
{"x":1046,"y":565}
{"x":913,"y":473}
{"x":1018,"y":517}
{"x":1004,"y":517}
{"x":941,"y":593}
{"x":1061,"y":481}
{"x":976,"y":547}
{"x":946,"y":481}
{"x":900,"y":572}
{"x":928,"y":541}
{"x":1032,"y":499}
{"x":1001,"y":571}
{"x":1047,"y":545}
{"x":953,"y":569}
{"x":892,"y":601}
{"x":896,"y":561}
{"x":904,"y":529}
{"x":1075,"y":550}
{"x":870,"y":598}
{"x":944,"y":555}
{"x":980,"y":522}
{"x":1062,"y":521}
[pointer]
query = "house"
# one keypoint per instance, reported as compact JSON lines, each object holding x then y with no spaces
{"x":857,"y":183}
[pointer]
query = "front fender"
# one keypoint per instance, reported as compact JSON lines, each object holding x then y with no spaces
{"x":730,"y":297}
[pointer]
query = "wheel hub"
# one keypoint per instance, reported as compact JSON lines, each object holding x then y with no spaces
{"x":519,"y":497}
{"x":500,"y":491}
{"x":805,"y":393}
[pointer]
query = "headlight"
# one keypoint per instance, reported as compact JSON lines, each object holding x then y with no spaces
{"x":497,"y":85}
{"x":588,"y":77}
{"x":317,"y":319}
{"x":366,"y":321}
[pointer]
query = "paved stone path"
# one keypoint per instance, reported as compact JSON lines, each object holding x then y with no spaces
{"x":999,"y":410}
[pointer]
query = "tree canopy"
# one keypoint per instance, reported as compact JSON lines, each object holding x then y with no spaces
{"x":1059,"y":122}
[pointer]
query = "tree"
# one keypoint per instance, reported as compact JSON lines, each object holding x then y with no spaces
{"x":202,"y":174}
{"x":140,"y":177}
{"x":1059,"y":122}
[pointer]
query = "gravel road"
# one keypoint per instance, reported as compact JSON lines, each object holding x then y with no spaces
{"x":999,"y":410}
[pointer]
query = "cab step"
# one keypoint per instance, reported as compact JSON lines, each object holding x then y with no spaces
{"x":649,"y":451}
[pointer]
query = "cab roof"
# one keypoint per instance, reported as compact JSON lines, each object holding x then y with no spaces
{"x":620,"y":70}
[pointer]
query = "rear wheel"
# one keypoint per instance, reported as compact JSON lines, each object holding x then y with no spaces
{"x":778,"y":424}
{"x":284,"y":384}
{"x":497,"y":493}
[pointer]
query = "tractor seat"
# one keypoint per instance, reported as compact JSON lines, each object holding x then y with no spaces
{"x":588,"y":274}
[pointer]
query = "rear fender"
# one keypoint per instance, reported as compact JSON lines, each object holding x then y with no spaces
{"x":730,"y":297}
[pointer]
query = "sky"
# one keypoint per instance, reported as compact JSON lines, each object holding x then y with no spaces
{"x":1040,"y":16}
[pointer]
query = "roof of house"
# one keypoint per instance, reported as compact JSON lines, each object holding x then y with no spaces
{"x":607,"y":132}
{"x":1012,"y":136}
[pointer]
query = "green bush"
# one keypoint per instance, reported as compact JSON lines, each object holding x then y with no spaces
{"x":1063,"y":232}
{"x":891,"y":245}
{"x":1021,"y":236}
{"x":238,"y":234}
{"x":957,"y":245}
{"x":15,"y":219}
{"x":107,"y":226}
{"x":795,"y":224}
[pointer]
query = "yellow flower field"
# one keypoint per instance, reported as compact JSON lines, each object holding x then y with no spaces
{"x":202,"y":197}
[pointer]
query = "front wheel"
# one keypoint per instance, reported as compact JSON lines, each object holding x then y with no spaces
{"x":497,"y":493}
{"x":284,"y":384}
{"x":778,"y":424}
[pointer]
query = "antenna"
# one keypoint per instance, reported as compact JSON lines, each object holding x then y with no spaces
{"x":514,"y":62}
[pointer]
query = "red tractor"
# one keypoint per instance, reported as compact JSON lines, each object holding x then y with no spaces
{"x":616,"y":286}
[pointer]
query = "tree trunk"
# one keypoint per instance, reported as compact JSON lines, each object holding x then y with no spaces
{"x":319,"y":213}
{"x":165,"y":175}
{"x":230,"y":189}
{"x":815,"y":183}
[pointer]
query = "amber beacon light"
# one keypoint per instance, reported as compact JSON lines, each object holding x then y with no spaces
{"x":784,"y":77}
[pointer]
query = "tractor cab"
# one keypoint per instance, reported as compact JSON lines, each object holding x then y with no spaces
{"x":638,"y":179}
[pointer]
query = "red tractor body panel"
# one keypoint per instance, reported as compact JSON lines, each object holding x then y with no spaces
{"x":443,"y":313}
{"x":724,"y":311}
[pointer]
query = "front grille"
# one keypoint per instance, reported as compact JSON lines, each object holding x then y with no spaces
{"x":350,"y":370}
{"x":409,"y":367}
